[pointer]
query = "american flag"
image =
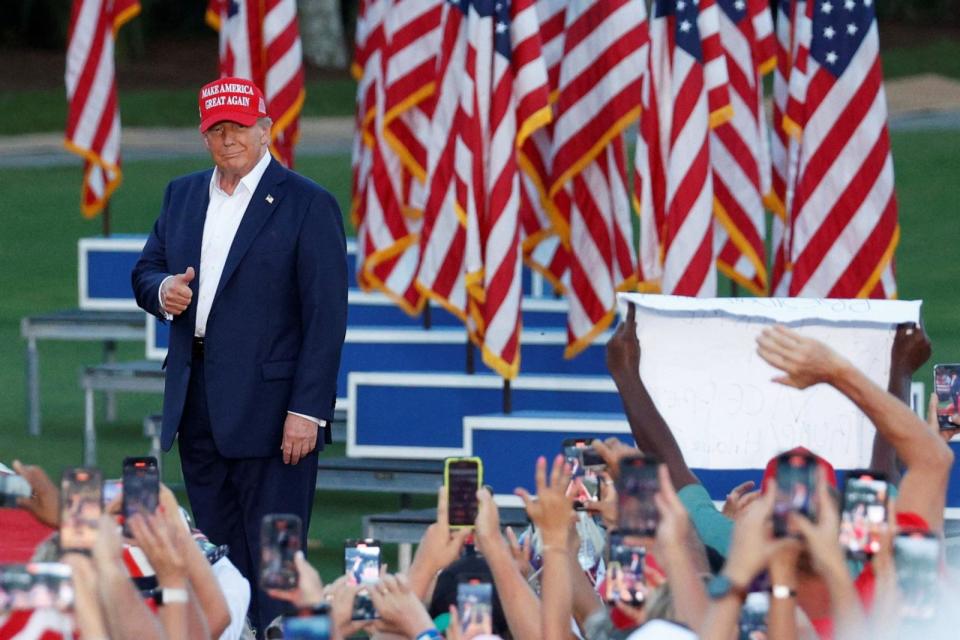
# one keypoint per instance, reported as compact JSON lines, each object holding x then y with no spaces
{"x":844,"y":210}
{"x":739,"y":150}
{"x":260,"y":41}
{"x":782,"y":146}
{"x":690,"y":83}
{"x":93,"y":118}
{"x":605,"y":44}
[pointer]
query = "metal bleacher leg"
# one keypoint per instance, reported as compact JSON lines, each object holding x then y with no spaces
{"x":33,"y":388}
{"x":110,"y":356}
{"x":89,"y":429}
{"x":404,"y":556}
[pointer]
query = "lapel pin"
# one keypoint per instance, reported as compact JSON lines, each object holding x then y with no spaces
{"x":269,"y":199}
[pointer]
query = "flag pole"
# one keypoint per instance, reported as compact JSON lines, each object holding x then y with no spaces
{"x":507,"y":397}
{"x":427,"y":320}
{"x":471,"y":367}
{"x":105,"y":218}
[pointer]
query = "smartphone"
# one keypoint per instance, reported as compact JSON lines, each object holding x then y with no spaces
{"x":141,"y":488}
{"x":361,"y":563}
{"x":637,"y":514}
{"x":625,"y":581}
{"x":37,"y":585}
{"x":462,"y":477}
{"x":81,"y":506}
{"x":12,"y":487}
{"x":917,"y":557}
{"x":112,"y":489}
{"x":753,"y":616}
{"x":864,"y":515}
{"x":310,"y":624}
{"x":279,"y":543}
{"x":946,"y":381}
{"x":586,"y":465}
{"x":474,"y":606}
{"x":796,"y":482}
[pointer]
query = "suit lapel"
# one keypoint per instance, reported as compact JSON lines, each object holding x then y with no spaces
{"x":194,"y":234}
{"x":256,"y":215}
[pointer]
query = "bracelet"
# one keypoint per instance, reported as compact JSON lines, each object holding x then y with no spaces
{"x":782,"y":592}
{"x":429,"y":634}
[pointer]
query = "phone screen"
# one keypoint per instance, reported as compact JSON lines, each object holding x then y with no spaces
{"x":753,"y":617}
{"x":917,"y":558}
{"x":585,"y":465}
{"x":12,"y":487}
{"x":638,"y":483}
{"x":361,"y":562}
{"x":475,"y":607}
{"x":625,"y":581}
{"x":38,"y":585}
{"x":80,"y":508}
{"x":864,"y":516}
{"x":796,"y":481}
{"x":279,"y":543}
{"x":307,"y":627}
{"x":463,"y":481}
{"x":141,"y":488}
{"x":946,"y":380}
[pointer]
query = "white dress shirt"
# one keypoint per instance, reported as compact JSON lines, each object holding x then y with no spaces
{"x":224,"y":214}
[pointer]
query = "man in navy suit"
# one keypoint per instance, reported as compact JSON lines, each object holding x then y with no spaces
{"x":248,"y":263}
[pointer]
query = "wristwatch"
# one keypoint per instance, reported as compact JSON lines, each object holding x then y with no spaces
{"x":720,"y":586}
{"x":782,"y":592}
{"x":172,"y":596}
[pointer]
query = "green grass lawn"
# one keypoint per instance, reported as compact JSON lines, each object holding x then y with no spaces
{"x":46,"y":110}
{"x":38,"y":273}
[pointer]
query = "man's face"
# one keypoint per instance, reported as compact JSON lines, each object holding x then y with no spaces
{"x":236,"y":149}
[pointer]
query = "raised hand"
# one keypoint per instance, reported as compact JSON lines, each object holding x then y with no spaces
{"x":552,"y":511}
{"x":738,"y":499}
{"x":911,"y":349}
{"x":175,"y":292}
{"x":613,"y":450}
{"x":623,"y":350}
{"x":163,"y":548}
{"x":804,"y":361}
{"x":309,"y":589}
{"x":44,"y":504}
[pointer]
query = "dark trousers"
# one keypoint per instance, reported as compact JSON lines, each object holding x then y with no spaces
{"x":230,"y":496}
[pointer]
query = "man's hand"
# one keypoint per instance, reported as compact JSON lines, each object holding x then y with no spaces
{"x":805,"y":361}
{"x":44,"y":504}
{"x":613,"y":450}
{"x":911,"y":349}
{"x":440,"y":547}
{"x":175,"y":292}
{"x":309,"y":590}
{"x":552,"y":511}
{"x":623,"y":350}
{"x":299,"y":438}
{"x":741,"y":496}
{"x":398,"y":606}
{"x":163,"y":548}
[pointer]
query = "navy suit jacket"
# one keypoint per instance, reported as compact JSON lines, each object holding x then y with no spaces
{"x":279,"y":315}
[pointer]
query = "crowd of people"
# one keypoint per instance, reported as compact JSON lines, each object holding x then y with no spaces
{"x":762,"y":566}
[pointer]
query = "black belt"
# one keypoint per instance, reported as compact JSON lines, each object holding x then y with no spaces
{"x":197,"y":347}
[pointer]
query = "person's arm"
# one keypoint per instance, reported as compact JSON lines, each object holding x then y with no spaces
{"x":399,"y":607}
{"x":167,"y":556}
{"x":127,"y":615}
{"x":321,"y":265}
{"x":821,"y":537}
{"x":586,"y":601}
{"x":552,"y":513}
{"x":44,"y":504}
{"x":650,"y":431}
{"x":439,"y":548}
{"x":521,"y":608}
{"x":682,"y":555}
{"x":911,"y":349}
{"x":782,"y":616}
{"x":87,"y":611}
{"x":206,"y":590}
{"x":806,"y":362}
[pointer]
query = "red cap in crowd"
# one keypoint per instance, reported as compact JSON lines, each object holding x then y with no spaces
{"x":771,"y":471}
{"x":232,"y":99}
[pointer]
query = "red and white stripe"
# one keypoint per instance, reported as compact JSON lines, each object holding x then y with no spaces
{"x":691,"y":97}
{"x":283,"y":84}
{"x":605,"y":48}
{"x":93,"y":117}
{"x":239,"y":38}
{"x":649,"y":180}
{"x":844,"y":222}
{"x":739,"y":150}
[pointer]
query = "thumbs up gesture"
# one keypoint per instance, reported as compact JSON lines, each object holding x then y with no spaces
{"x":175,"y":292}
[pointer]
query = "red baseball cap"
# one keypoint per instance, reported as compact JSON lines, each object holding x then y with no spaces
{"x":233,"y":99}
{"x":771,"y":471}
